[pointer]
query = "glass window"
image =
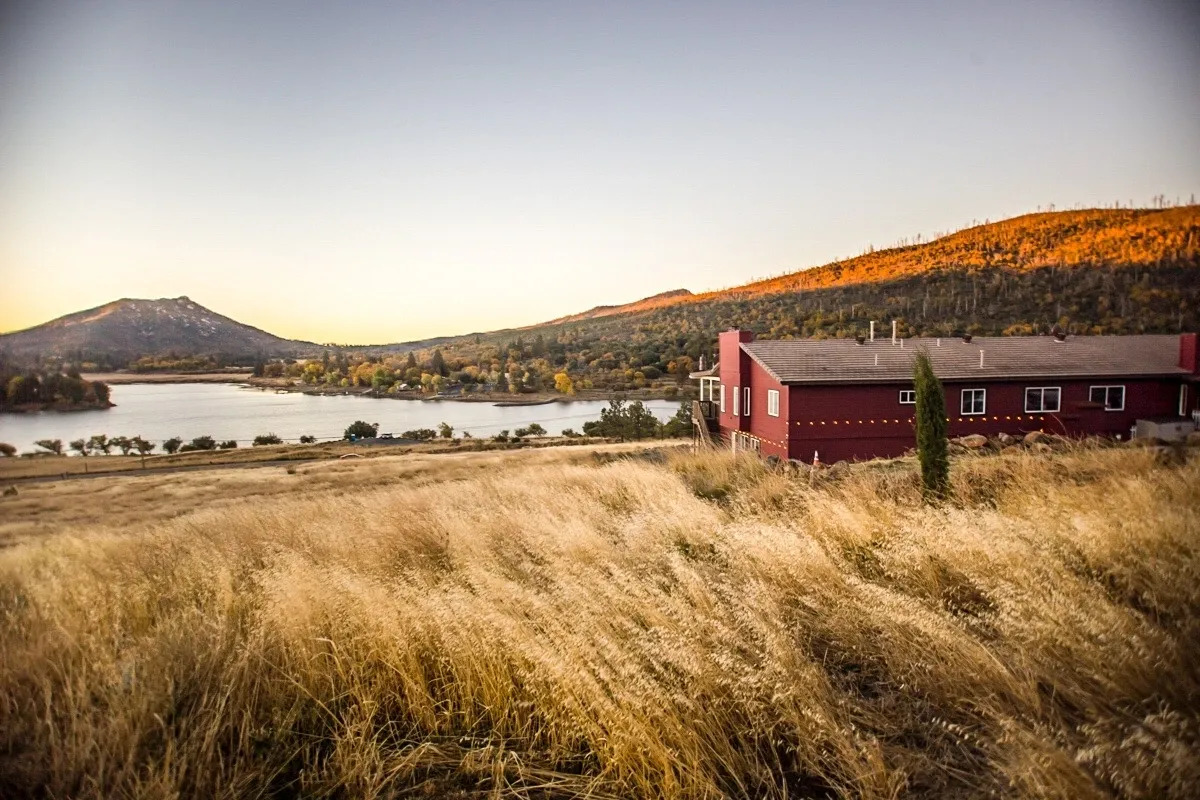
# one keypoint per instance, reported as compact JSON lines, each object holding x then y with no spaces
{"x":773,"y":402}
{"x":908,"y":397}
{"x":974,"y":401}
{"x":722,"y":398}
{"x":746,"y":402}
{"x":1042,"y":399}
{"x":1112,"y":397}
{"x":736,"y":396}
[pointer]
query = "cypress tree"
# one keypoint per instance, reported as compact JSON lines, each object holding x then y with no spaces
{"x":932,"y":442}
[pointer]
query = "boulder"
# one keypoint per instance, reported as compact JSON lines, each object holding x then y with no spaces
{"x":1005,"y":440}
{"x":1033,"y":437}
{"x":973,"y":441}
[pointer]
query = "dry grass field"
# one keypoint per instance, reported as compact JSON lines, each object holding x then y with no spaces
{"x":556,"y":623}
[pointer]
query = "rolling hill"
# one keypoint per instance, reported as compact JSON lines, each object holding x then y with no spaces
{"x":127,"y":329}
{"x":1092,"y":271}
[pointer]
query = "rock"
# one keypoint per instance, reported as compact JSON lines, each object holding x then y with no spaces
{"x":1193,"y":439}
{"x":1005,"y":440}
{"x":10,"y":491}
{"x":799,"y":467}
{"x":1033,"y":437}
{"x":1167,"y":455}
{"x":973,"y":441}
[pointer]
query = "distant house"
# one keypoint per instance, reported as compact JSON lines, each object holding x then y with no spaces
{"x":853,"y":399}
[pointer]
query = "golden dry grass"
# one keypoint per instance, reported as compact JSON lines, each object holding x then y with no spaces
{"x":567,"y":628}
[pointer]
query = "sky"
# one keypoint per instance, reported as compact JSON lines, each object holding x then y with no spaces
{"x":384,"y":171}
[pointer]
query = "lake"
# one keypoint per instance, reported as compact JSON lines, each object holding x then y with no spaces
{"x":158,"y":411}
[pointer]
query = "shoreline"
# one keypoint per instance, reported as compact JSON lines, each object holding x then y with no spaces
{"x":500,"y":399}
{"x":57,"y":408}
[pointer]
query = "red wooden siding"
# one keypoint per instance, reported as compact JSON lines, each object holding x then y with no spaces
{"x":867,"y":421}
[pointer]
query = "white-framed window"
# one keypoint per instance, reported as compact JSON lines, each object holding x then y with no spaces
{"x":908,"y":397}
{"x":773,"y":402}
{"x":974,"y":401}
{"x":1113,"y":397}
{"x":737,"y":394}
{"x":746,"y":402}
{"x":1042,"y":399}
{"x":722,"y":398}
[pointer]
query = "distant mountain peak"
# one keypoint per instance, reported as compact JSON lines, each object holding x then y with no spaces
{"x":131,"y":327}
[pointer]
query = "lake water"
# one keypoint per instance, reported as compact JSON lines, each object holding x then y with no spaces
{"x":228,"y":411}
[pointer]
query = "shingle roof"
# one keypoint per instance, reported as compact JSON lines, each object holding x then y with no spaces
{"x":846,"y":361}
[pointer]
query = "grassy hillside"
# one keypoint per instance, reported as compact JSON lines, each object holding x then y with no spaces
{"x":1091,"y":238}
{"x":568,"y":627}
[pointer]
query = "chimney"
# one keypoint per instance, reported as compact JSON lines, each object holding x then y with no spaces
{"x":872,"y":330}
{"x":1189,"y":353}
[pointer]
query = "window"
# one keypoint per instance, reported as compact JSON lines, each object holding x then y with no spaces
{"x":773,"y":402}
{"x":1042,"y":399}
{"x":722,"y":398}
{"x":1183,"y":398}
{"x":746,"y":402}
{"x":908,"y":397}
{"x":736,"y":396}
{"x":1113,"y":397}
{"x":974,"y":401}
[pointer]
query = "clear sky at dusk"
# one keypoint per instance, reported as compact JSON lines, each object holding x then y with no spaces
{"x":371,"y":172}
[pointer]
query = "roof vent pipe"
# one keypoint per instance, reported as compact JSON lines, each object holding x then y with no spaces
{"x":1059,"y":336}
{"x":981,"y":359}
{"x":877,"y":359}
{"x":967,"y":338}
{"x":872,"y":330}
{"x":939,"y":342}
{"x":893,"y":331}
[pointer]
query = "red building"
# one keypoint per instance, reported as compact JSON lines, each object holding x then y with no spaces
{"x":851,"y":399}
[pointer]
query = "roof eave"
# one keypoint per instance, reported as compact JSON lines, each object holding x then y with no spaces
{"x":1019,"y":377}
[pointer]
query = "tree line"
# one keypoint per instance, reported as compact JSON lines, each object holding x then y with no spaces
{"x":35,"y":389}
